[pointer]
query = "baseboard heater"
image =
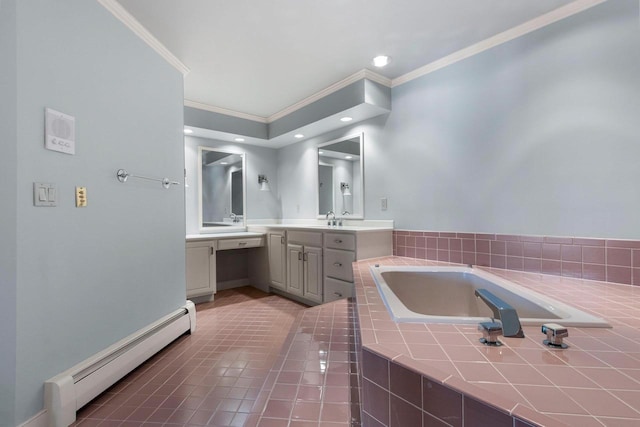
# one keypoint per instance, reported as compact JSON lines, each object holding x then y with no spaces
{"x":69,"y":391}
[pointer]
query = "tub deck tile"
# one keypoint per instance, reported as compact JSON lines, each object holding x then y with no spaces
{"x":552,"y":387}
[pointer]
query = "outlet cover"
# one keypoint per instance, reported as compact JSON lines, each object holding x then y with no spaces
{"x":81,"y":197}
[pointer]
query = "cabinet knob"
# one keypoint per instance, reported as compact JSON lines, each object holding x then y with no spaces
{"x":338,"y":241}
{"x":242,"y":243}
{"x":337,"y":264}
{"x":338,"y":294}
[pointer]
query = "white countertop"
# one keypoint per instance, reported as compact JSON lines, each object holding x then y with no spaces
{"x":258,"y":229}
{"x":320,"y":227}
{"x":212,"y":236}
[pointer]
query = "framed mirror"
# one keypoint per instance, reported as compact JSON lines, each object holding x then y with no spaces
{"x":340,"y":177}
{"x":222,"y":190}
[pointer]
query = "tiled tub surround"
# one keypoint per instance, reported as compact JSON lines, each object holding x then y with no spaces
{"x":608,"y":260}
{"x":436,"y":375}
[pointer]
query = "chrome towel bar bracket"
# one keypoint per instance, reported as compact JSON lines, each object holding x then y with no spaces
{"x":123,"y":176}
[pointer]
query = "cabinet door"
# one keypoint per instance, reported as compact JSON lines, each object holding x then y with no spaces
{"x":313,"y":273}
{"x":277,"y":260}
{"x":295,"y":276}
{"x":200,"y":269}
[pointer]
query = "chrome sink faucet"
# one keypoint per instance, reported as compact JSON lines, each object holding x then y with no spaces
{"x":331,"y":222}
{"x":344,"y":214}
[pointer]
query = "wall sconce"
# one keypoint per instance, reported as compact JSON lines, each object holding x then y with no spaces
{"x":344,"y":187}
{"x":264,"y":183}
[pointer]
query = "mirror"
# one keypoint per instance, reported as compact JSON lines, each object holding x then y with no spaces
{"x":340,"y":172}
{"x":222,"y":188}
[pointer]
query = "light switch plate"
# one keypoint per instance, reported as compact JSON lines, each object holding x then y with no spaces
{"x":383,"y":204}
{"x":44,"y":194}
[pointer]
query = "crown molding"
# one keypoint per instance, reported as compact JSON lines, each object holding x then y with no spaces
{"x":508,"y":35}
{"x":219,"y":110}
{"x":134,"y":25}
{"x":362,"y":74}
{"x":375,"y":77}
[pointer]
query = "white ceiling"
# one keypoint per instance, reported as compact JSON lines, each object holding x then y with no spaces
{"x":259,"y":57}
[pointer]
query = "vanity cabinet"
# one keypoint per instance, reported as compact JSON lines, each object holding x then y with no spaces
{"x":200,"y":263}
{"x":305,"y":272}
{"x":276,"y":242}
{"x":339,"y":254}
{"x":304,"y":265}
{"x":314,"y":264}
{"x":201,"y":268}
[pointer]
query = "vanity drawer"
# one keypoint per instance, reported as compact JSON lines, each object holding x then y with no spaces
{"x":250,"y":242}
{"x":337,"y":264}
{"x":307,"y":238}
{"x":337,"y":289}
{"x":340,"y":241}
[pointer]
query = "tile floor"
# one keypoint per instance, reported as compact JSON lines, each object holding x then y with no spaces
{"x":316,"y":375}
{"x":256,"y":360}
{"x":214,"y":376}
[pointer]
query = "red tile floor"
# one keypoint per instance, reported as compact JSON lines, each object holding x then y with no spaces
{"x":314,"y":382}
{"x":255,"y":360}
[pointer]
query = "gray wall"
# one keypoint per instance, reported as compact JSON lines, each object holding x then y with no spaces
{"x":223,"y":123}
{"x":89,"y":277}
{"x":259,"y":160}
{"x":537,"y":136}
{"x":8,"y":213}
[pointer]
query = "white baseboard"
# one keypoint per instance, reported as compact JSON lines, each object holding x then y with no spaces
{"x":38,"y":420}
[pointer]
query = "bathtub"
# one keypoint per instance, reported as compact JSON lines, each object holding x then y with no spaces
{"x":446,"y":295}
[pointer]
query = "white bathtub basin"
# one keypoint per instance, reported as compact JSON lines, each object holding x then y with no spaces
{"x":446,"y":295}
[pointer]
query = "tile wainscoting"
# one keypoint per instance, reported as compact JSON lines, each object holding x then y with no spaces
{"x":610,"y":260}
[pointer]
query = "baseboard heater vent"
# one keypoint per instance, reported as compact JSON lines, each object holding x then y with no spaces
{"x":69,"y":391}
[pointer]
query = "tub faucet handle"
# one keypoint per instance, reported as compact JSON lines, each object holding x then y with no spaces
{"x":555,"y":333}
{"x":490,"y":333}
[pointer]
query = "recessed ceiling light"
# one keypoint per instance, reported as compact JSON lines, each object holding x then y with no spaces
{"x":381,"y":60}
{"x":348,"y":157}
{"x":298,"y":135}
{"x":188,"y":131}
{"x":346,"y":119}
{"x":239,"y":140}
{"x":320,"y":152}
{"x":224,"y":163}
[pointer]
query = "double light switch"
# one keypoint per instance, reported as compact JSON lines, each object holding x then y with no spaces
{"x":44,"y":194}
